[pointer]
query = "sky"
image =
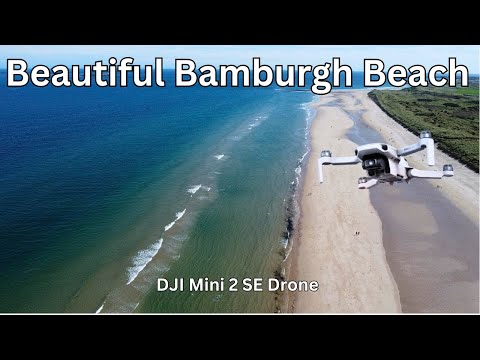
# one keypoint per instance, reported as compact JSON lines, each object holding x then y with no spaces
{"x":353,"y":55}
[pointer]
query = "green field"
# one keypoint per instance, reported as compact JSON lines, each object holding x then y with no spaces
{"x":451,"y":114}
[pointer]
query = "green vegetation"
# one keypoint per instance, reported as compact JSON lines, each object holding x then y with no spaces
{"x":468,"y":91}
{"x":451,"y":114}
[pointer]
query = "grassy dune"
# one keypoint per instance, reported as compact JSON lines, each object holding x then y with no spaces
{"x":451,"y":114}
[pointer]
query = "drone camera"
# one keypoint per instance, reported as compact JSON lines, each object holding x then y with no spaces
{"x":374,"y":164}
{"x":326,"y":153}
{"x":362,"y":180}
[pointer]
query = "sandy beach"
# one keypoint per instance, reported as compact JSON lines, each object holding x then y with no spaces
{"x":340,"y":233}
{"x":373,"y":258}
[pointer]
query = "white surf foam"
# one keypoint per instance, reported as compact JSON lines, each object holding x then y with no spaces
{"x":100,"y":308}
{"x":142,"y":258}
{"x":195,"y":188}
{"x":289,"y":250}
{"x":257,"y":121}
{"x":219,"y":157}
{"x":206,"y":188}
{"x":180,"y":214}
{"x":303,"y":156}
{"x":167,"y":227}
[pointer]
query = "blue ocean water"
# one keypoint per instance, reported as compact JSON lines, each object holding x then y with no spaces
{"x":103,"y":190}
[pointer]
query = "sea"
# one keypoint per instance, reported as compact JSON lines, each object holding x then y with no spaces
{"x":105,"y":190}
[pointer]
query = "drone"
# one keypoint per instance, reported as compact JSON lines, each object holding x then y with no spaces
{"x":386,"y":164}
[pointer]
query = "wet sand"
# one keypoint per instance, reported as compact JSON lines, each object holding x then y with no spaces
{"x":432,"y":249}
{"x":429,"y":228}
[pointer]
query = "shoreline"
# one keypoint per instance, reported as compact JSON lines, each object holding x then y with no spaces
{"x":445,"y":209}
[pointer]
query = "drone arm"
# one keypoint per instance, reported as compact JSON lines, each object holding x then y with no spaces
{"x":345,"y":160}
{"x":427,"y":174}
{"x":335,"y":160}
{"x":420,"y":145}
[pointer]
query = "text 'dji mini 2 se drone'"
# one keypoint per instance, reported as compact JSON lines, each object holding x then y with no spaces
{"x":386,"y":164}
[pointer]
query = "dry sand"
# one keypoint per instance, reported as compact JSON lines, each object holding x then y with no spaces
{"x":340,"y":234}
{"x":339,"y":242}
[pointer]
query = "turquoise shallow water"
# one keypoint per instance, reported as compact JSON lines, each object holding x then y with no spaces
{"x":103,"y":190}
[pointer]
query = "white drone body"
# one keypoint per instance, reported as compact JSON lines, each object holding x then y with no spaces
{"x":386,"y":164}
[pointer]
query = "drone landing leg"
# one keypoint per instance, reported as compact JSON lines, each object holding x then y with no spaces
{"x":367,"y":185}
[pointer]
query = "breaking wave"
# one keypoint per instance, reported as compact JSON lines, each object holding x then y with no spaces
{"x":141,"y":260}
{"x":194,"y":189}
